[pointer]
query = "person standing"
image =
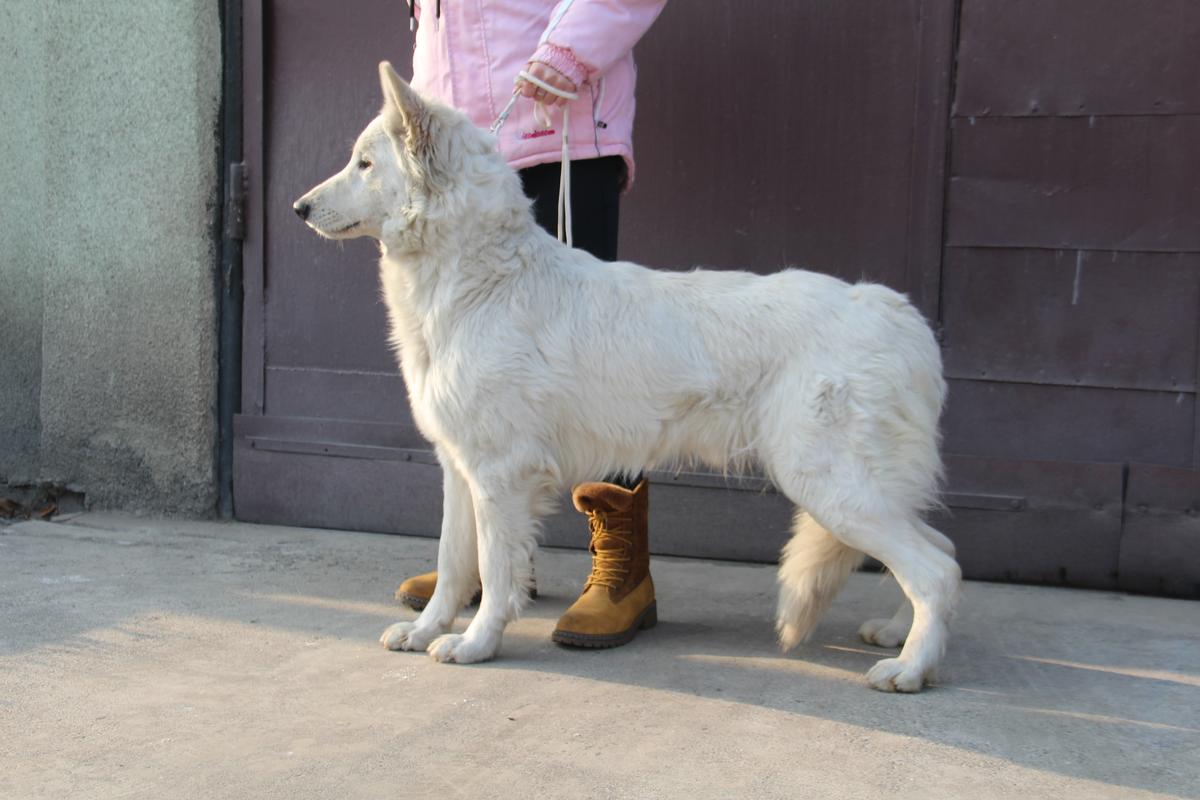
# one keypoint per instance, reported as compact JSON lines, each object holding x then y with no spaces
{"x":469,"y":55}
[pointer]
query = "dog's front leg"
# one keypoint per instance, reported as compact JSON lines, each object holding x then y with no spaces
{"x":505,"y":530}
{"x":458,"y":567}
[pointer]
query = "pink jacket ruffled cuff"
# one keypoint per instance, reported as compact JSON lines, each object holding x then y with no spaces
{"x":562,"y":61}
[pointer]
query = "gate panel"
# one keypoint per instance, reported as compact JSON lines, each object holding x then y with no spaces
{"x":787,"y":135}
{"x":1161,"y":545}
{"x":1093,"y":183}
{"x":1078,"y":57}
{"x":1073,"y":317}
{"x":1049,"y":522}
{"x":1046,"y":423}
{"x":325,"y":323}
{"x":370,"y":395}
{"x":1072,"y":281}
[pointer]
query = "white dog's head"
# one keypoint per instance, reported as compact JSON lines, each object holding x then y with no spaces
{"x":417,"y":161}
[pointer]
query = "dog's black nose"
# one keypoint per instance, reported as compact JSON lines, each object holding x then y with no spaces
{"x":302,"y":208}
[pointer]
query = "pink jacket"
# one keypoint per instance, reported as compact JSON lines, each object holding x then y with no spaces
{"x":470,"y":55}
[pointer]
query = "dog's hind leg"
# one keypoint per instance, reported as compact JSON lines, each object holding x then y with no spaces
{"x":888,"y":632}
{"x":892,"y":632}
{"x":928,"y":576}
{"x":458,"y":568}
{"x":812,"y":569}
{"x":505,"y":532}
{"x":873,"y":518}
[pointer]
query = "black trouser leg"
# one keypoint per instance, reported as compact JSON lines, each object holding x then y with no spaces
{"x":595,"y":201}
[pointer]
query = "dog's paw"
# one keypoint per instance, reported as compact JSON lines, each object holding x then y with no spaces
{"x":453,"y":648}
{"x":883,"y":632}
{"x":407,"y":636}
{"x":896,"y":675}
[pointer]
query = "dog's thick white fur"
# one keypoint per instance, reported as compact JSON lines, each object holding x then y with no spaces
{"x":532,"y":367}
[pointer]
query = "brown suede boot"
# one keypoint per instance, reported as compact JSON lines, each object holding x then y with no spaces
{"x":618,"y":599}
{"x":416,"y":591}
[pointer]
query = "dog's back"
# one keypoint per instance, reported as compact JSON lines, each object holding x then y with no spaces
{"x":668,"y":368}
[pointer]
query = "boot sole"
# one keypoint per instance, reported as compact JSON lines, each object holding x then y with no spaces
{"x":418,"y":603}
{"x":600,"y":641}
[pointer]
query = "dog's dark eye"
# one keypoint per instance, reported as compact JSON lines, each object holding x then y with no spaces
{"x":364,"y":164}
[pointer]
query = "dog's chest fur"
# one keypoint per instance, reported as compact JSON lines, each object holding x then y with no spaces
{"x":452,"y":340}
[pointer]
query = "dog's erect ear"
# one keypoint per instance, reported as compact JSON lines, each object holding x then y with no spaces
{"x":405,"y":114}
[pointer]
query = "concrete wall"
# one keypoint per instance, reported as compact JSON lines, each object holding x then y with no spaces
{"x":23,"y":236}
{"x":108,"y":163}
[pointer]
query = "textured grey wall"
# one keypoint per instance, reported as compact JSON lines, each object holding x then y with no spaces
{"x":24,"y":234}
{"x":109,"y":160}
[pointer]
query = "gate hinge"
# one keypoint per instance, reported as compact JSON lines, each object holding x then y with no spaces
{"x":235,"y":202}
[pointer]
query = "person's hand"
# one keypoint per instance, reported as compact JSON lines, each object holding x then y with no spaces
{"x":549,"y":75}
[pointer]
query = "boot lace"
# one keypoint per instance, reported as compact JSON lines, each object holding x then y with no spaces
{"x":611,"y":546}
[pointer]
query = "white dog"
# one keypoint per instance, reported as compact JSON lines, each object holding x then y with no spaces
{"x":532,"y":367}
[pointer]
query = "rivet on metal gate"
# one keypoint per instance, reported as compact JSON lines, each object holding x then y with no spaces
{"x":1142,"y":508}
{"x":1015,"y":504}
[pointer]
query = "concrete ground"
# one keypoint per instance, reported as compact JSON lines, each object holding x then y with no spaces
{"x":174,"y":659}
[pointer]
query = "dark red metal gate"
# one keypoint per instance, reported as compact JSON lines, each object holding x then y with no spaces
{"x":818,"y":135}
{"x":1071,"y":282}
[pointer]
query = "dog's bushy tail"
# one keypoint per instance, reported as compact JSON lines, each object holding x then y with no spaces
{"x":812,"y":569}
